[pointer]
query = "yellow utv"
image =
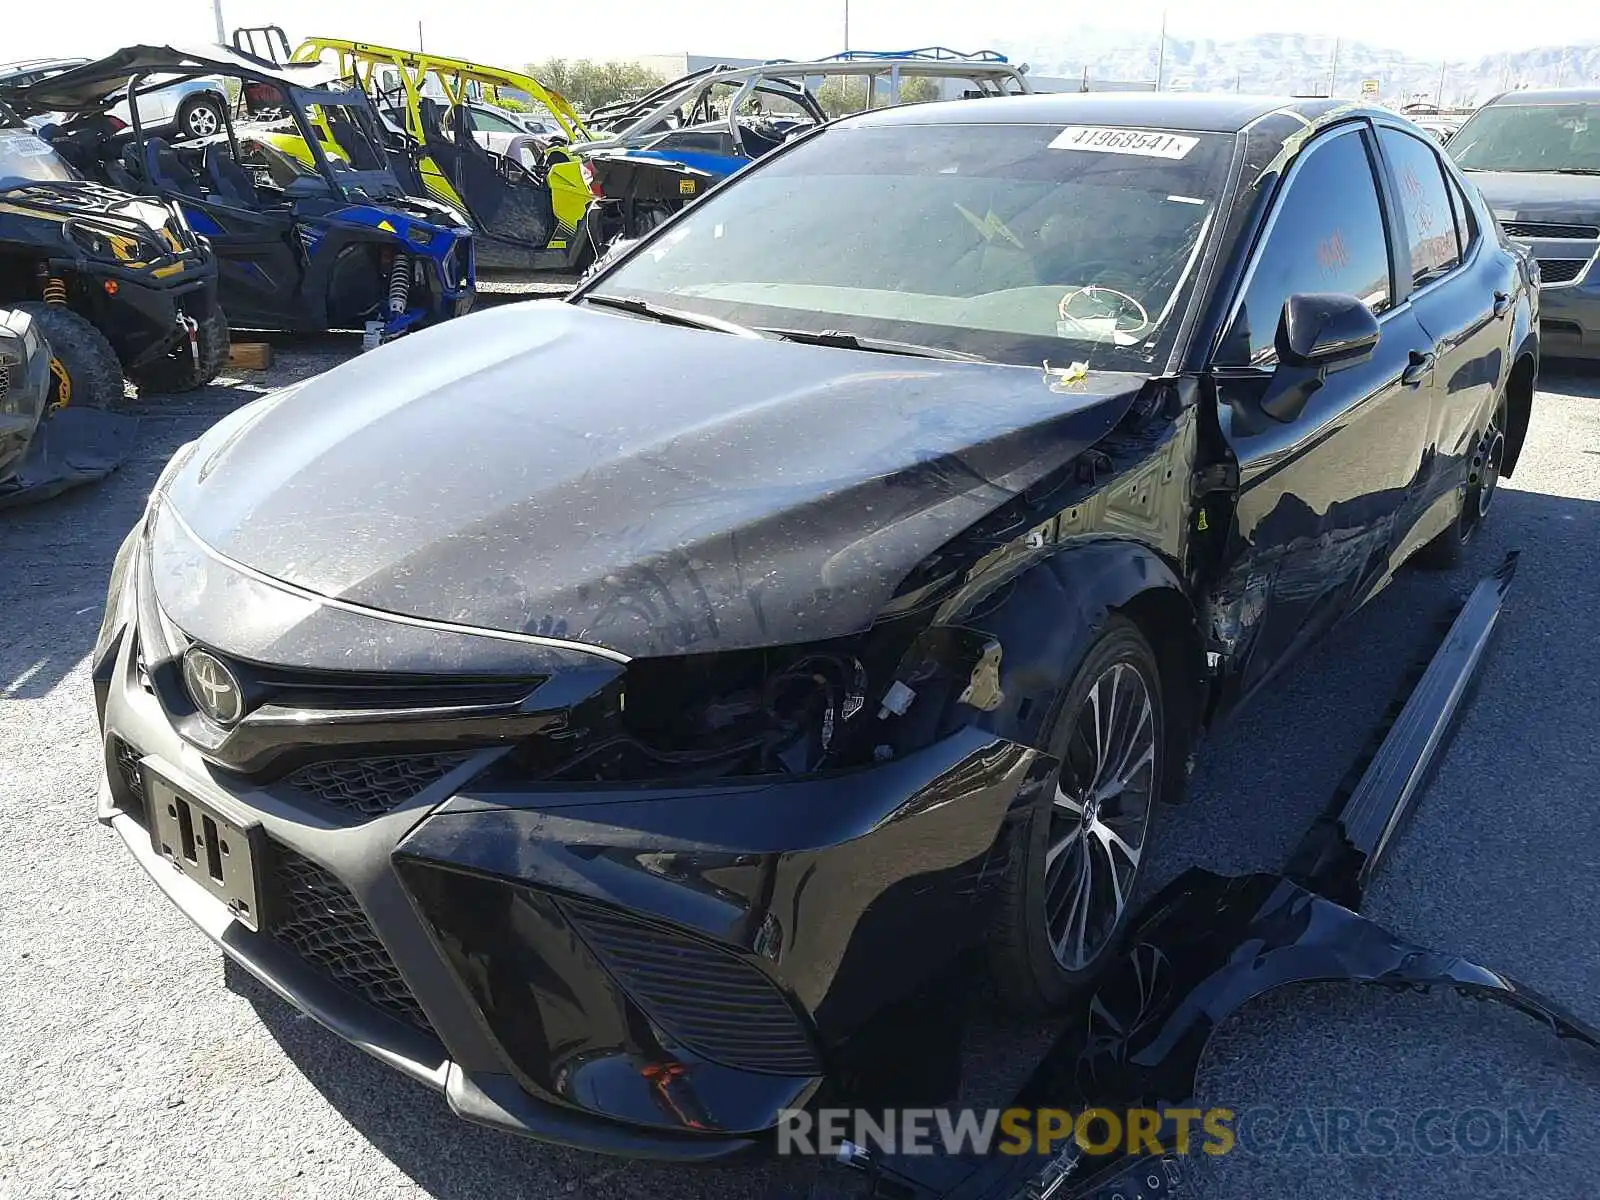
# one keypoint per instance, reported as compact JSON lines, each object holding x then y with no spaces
{"x":455,"y":138}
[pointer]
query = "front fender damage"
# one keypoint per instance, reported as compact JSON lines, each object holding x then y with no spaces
{"x":1207,"y":945}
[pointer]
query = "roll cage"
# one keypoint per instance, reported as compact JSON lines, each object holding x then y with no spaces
{"x":688,"y":101}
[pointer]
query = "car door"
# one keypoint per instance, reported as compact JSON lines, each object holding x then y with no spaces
{"x":1462,"y":297}
{"x":1320,"y":493}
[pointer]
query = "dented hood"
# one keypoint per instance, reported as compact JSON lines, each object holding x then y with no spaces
{"x":549,"y":469}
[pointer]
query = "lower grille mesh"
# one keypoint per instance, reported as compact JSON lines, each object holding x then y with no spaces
{"x":319,"y":920}
{"x":706,"y":998}
{"x":371,"y":787}
{"x":128,"y":767}
{"x":1560,"y":270}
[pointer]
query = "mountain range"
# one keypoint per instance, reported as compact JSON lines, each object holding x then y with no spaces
{"x":1302,"y":64}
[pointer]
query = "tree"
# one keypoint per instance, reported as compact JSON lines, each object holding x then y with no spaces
{"x":588,"y":84}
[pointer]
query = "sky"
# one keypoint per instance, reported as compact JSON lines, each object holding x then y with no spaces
{"x":515,"y":33}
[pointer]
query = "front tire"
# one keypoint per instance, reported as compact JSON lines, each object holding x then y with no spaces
{"x":84,"y":370}
{"x":180,"y":371}
{"x":200,"y":117}
{"x":1075,"y":858}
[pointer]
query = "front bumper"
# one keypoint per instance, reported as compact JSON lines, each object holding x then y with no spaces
{"x":1569,"y":297}
{"x":141,"y":319}
{"x":634,"y":971}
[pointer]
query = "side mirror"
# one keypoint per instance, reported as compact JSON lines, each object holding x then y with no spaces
{"x":1318,"y":332}
{"x":1326,"y":331}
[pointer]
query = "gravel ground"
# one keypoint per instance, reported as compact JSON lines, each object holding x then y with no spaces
{"x":141,"y":1066}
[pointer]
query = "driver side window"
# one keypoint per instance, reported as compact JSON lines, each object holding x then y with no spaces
{"x":1325,"y":235}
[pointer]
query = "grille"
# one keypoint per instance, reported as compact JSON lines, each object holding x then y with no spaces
{"x":706,"y":998}
{"x":1545,"y":229}
{"x":128,"y":767}
{"x":374,"y":786}
{"x":319,"y":920}
{"x":5,"y":377}
{"x":1561,"y":270}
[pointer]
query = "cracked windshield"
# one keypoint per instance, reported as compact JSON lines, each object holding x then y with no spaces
{"x":1028,"y":243}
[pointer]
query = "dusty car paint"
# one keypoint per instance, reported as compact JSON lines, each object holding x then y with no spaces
{"x":685,"y":498}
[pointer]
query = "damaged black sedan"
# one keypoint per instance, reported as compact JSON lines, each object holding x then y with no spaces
{"x":600,"y":709}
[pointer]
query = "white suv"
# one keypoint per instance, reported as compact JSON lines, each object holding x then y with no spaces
{"x":193,"y":108}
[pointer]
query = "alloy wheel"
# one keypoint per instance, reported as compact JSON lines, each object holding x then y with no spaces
{"x":1100,"y":816}
{"x":1492,"y":451}
{"x":202,"y":120}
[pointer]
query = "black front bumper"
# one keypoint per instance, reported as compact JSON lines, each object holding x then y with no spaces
{"x":646,"y":972}
{"x":140,"y":318}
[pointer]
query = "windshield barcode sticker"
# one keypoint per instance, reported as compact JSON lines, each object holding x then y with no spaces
{"x":1124,"y":141}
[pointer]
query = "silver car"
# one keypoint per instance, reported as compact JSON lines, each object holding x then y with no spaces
{"x":193,"y":108}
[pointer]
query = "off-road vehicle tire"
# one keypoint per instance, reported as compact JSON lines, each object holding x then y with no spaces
{"x":80,"y":352}
{"x":178,"y":371}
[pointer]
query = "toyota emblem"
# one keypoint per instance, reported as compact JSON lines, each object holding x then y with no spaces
{"x":212,"y":687}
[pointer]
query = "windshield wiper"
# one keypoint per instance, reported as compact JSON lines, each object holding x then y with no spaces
{"x":851,"y":341}
{"x":668,"y":316}
{"x":1577,"y":170}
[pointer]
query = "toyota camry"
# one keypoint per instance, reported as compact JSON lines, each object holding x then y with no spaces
{"x":602,"y":709}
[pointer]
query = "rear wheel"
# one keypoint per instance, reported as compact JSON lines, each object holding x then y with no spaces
{"x":84,"y":369}
{"x":200,"y":117}
{"x":187,"y":368}
{"x":1075,"y":859}
{"x":1483,"y":482}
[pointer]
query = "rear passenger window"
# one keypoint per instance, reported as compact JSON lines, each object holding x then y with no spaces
{"x":1429,"y":215}
{"x":1326,"y":235}
{"x":1466,"y":222}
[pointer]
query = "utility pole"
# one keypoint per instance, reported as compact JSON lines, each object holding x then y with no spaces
{"x":222,"y":33}
{"x":1161,"y":50}
{"x":847,"y":24}
{"x":419,"y":37}
{"x":1438,"y":97}
{"x":1333,"y":73}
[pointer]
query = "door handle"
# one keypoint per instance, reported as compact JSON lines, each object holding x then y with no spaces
{"x":1502,"y":301}
{"x":1418,"y":369}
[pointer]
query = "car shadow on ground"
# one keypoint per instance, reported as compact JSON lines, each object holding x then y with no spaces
{"x":1257,"y":784}
{"x":55,"y":556}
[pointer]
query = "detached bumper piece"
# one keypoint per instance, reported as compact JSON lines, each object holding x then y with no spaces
{"x":1207,"y":945}
{"x":71,"y":447}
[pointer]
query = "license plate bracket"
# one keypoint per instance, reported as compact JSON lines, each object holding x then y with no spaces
{"x":220,"y":850}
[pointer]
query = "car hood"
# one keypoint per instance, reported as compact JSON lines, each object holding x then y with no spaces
{"x":1540,"y":196}
{"x":548,"y":469}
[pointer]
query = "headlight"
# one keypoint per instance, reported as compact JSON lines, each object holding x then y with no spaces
{"x":781,"y":711}
{"x":419,"y":236}
{"x":106,"y":246}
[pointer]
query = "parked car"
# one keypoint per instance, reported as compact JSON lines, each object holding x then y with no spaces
{"x":188,"y":108}
{"x":1441,"y":129}
{"x":1535,"y":156}
{"x":606,"y":761}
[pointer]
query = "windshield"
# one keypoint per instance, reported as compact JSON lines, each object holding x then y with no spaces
{"x":24,"y":158}
{"x":347,"y":130}
{"x":1018,"y":243}
{"x":1530,"y":137}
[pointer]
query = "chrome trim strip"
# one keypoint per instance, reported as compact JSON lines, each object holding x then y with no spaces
{"x":361,"y":610}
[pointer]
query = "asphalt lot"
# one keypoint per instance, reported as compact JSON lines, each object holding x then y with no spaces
{"x":137,"y":1065}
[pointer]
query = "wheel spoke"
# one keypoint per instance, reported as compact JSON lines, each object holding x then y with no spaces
{"x":1109,"y":838}
{"x":1067,"y":803}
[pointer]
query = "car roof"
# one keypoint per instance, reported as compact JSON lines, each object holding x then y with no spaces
{"x":1546,"y":96}
{"x":1194,"y":111}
